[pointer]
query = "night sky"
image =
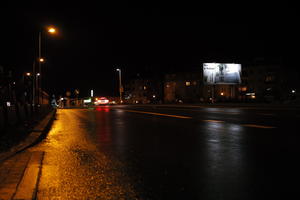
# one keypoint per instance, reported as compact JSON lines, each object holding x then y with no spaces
{"x":149,"y":39}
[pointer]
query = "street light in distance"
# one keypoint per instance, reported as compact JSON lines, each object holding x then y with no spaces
{"x":120,"y":84}
{"x":51,"y":30}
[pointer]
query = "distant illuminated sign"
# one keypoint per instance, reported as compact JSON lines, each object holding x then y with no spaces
{"x":187,"y":83}
{"x":221,"y":73}
{"x":87,"y":100}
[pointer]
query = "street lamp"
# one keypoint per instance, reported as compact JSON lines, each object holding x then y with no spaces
{"x":51,"y":30}
{"x":120,"y":84}
{"x":41,"y":60}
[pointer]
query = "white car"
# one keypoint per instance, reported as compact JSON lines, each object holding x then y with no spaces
{"x":101,"y":101}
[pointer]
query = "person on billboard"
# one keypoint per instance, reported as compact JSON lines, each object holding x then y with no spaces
{"x":221,"y":72}
{"x":228,"y":74}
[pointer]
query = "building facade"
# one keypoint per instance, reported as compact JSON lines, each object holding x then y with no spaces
{"x":143,"y":91}
{"x":269,"y":83}
{"x":182,"y":88}
{"x":260,"y":83}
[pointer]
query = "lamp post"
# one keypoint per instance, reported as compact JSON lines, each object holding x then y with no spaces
{"x":33,"y":86}
{"x":38,"y":79}
{"x":120,"y":84}
{"x":41,"y":60}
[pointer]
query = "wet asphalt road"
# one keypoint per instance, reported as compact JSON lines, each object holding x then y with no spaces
{"x":160,"y":152}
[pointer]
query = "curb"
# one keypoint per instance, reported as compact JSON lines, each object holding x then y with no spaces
{"x":33,"y":137}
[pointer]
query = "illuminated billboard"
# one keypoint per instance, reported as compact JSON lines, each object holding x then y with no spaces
{"x":221,"y":73}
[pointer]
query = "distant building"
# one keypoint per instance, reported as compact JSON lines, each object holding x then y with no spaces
{"x":182,"y":88}
{"x":268,"y":83}
{"x":143,"y":91}
{"x":260,"y":83}
{"x":220,"y":93}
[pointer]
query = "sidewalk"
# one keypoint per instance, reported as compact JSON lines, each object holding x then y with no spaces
{"x":19,"y":176}
{"x":15,"y":130}
{"x":19,"y":169}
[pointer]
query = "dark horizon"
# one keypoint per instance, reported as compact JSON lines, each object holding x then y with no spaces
{"x":94,"y":41}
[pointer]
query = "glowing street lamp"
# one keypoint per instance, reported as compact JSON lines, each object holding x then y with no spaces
{"x":51,"y":30}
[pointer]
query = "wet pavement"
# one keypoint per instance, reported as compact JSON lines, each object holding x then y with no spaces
{"x":160,"y":152}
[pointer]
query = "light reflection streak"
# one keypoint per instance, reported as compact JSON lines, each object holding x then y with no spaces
{"x":103,"y":126}
{"x":222,"y":154}
{"x":103,"y":108}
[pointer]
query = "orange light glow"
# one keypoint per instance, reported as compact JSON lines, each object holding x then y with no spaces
{"x":243,"y":89}
{"x":51,"y":30}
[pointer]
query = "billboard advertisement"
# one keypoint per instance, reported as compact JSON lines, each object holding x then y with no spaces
{"x":221,"y":73}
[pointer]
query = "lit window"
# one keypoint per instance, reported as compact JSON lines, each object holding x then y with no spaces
{"x":269,"y":78}
{"x":187,"y":83}
{"x":243,"y":89}
{"x":195,"y":83}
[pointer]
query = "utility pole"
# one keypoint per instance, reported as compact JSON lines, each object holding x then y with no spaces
{"x":39,"y":80}
{"x":33,"y":84}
